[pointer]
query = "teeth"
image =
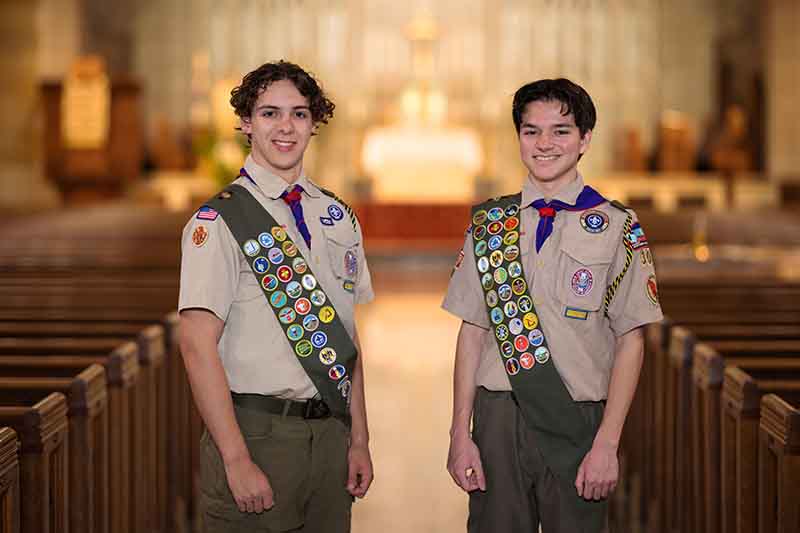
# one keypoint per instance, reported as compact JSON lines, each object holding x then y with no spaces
{"x":545,"y":157}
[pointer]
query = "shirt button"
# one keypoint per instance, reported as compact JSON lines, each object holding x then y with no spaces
{"x":539,"y":263}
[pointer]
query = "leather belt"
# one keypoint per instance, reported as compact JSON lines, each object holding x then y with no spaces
{"x":312,"y":408}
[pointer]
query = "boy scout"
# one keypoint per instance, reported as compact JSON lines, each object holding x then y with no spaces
{"x":553,"y":287}
{"x":271,"y":271}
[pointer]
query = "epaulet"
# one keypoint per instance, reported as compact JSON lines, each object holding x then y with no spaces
{"x":347,"y":208}
{"x":619,"y":205}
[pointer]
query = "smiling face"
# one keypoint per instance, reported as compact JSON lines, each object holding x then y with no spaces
{"x":280,"y":127}
{"x":550,"y":144}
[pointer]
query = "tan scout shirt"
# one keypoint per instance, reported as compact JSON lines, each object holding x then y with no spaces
{"x":255,"y":353}
{"x":582,"y":350}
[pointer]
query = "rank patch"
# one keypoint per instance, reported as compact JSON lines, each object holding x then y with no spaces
{"x":199,"y":236}
{"x":207,"y":213}
{"x":577,"y":314}
{"x":594,"y":221}
{"x":582,"y":281}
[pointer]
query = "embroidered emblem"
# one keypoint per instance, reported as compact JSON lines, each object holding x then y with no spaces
{"x":515,"y":326}
{"x":519,"y":286}
{"x":500,"y":275}
{"x":279,"y":233}
{"x":284,"y":273}
{"x":491,"y":298}
{"x":483,"y":264}
{"x":495,"y":242}
{"x":515,"y":269}
{"x":652,"y":290}
{"x":335,"y":212}
{"x":496,"y":259}
{"x":266,"y":240}
{"x":311,"y":323}
{"x":530,"y":320}
{"x":348,"y":286}
{"x":269,"y":282}
{"x":594,"y":221}
{"x":487,"y":281}
{"x":582,"y":281}
{"x":525,"y":304}
{"x":319,"y":339}
{"x":287,"y":316}
{"x":326,"y":221}
{"x":521,"y":343}
{"x":577,"y":314}
{"x":511,"y":224}
{"x":511,"y":253}
{"x":526,"y":361}
{"x":299,"y":265}
{"x":303,"y":348}
{"x":199,"y":236}
{"x":309,"y":282}
{"x":542,"y":355}
{"x":501,"y":332}
{"x":251,"y":247}
{"x":536,"y":337}
{"x":496,"y":315}
{"x":294,"y":332}
{"x":326,"y":314}
{"x":293,"y":289}
{"x":479,"y":217}
{"x":504,"y":291}
{"x":512,"y":210}
{"x":635,"y":238}
{"x":336,"y":372}
{"x":350,"y":264}
{"x":510,"y":309}
{"x":481,"y":248}
{"x":327,"y":356}
{"x":318,"y":298}
{"x":507,"y":349}
{"x":512,"y":367}
{"x":495,"y":227}
{"x":479,"y":232}
{"x":206,"y":213}
{"x":460,"y":259}
{"x":275,"y":256}
{"x":302,"y":306}
{"x":495,"y":214}
{"x":646,"y":256}
{"x":278,"y":299}
{"x":511,"y":238}
{"x":289,"y":249}
{"x":344,"y":386}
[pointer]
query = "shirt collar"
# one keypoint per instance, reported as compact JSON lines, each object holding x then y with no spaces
{"x":273,"y":185}
{"x":567,"y":193}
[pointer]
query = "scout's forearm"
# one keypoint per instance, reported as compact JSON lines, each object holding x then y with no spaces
{"x":629,"y":354}
{"x":468,"y":350}
{"x":199,"y":334}
{"x":359,"y":432}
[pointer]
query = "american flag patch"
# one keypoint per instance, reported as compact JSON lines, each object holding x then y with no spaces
{"x":206,"y":213}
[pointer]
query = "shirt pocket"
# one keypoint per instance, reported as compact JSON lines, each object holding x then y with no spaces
{"x":582,"y":278}
{"x":344,"y":255}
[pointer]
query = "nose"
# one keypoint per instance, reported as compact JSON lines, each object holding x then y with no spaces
{"x":286,"y":125}
{"x":544,"y":142}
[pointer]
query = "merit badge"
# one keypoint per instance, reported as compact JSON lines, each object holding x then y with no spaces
{"x":335,"y":212}
{"x":287,"y":316}
{"x":206,"y":213}
{"x":483,"y":265}
{"x":326,"y":221}
{"x":275,"y":256}
{"x":512,"y":210}
{"x":652,"y":290}
{"x":542,"y":354}
{"x":504,"y":292}
{"x":491,"y":298}
{"x":510,"y":309}
{"x":279,"y":233}
{"x":496,"y":315}
{"x":635,"y":239}
{"x":487,"y":281}
{"x":582,"y":282}
{"x":294,"y":332}
{"x":293,"y":289}
{"x":284,"y":273}
{"x":495,"y":213}
{"x":521,"y":343}
{"x":318,"y":297}
{"x":479,"y":217}
{"x":496,"y":258}
{"x":311,"y":323}
{"x":303,"y":348}
{"x":526,"y":361}
{"x":511,"y":238}
{"x":336,"y":372}
{"x":594,"y":221}
{"x":515,"y":326}
{"x":266,"y":240}
{"x":511,"y":224}
{"x":494,"y":228}
{"x":348,"y":285}
{"x":512,"y":367}
{"x":299,"y":265}
{"x":251,"y":247}
{"x":530,"y":320}
{"x":525,"y":304}
{"x":261,"y":265}
{"x":326,"y":314}
{"x":495,"y":242}
{"x":350,"y":264}
{"x":327,"y":356}
{"x":518,"y":286}
{"x":344,"y":386}
{"x":536,"y":337}
{"x":269,"y":282}
{"x":278,"y":299}
{"x":515,"y":269}
{"x":302,"y":306}
{"x":511,"y":253}
{"x":481,"y":248}
{"x":500,"y":275}
{"x":199,"y":236}
{"x":309,"y":282}
{"x":319,"y":339}
{"x":501,"y":332}
{"x":507,"y":349}
{"x":289,"y":249}
{"x":479,"y":232}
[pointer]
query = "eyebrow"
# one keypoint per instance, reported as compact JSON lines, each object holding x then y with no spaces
{"x":259,"y":108}
{"x":562,"y":125}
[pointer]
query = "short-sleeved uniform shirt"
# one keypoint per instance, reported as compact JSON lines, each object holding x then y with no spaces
{"x":567,"y":282}
{"x":215,"y":275}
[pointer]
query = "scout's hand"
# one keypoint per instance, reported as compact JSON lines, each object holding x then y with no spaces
{"x":464,"y":464}
{"x":359,"y":470}
{"x":249,"y":485}
{"x":598,"y":473}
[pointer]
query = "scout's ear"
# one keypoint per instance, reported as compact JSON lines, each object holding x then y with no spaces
{"x":245,"y":125}
{"x":585,"y":140}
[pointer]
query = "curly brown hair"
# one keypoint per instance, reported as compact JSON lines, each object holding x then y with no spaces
{"x":244,"y":97}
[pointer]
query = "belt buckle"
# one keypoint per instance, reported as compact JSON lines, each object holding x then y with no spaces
{"x":316,"y":409}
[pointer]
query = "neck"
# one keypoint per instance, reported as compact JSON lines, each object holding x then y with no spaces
{"x":551,"y":188}
{"x":289,"y":175}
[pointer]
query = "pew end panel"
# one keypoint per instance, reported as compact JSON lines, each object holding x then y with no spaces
{"x":9,"y":481}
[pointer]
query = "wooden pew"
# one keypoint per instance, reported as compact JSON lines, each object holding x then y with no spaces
{"x":779,"y":466}
{"x":9,"y":481}
{"x":44,"y":492}
{"x":122,"y":373}
{"x":88,"y":439}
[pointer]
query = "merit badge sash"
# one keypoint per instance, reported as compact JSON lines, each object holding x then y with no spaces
{"x":564,"y":436}
{"x":301,"y":306}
